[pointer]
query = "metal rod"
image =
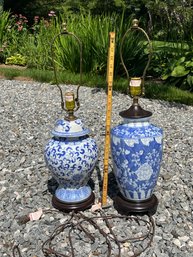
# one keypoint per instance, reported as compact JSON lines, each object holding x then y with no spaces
{"x":65,"y":32}
{"x":135,"y":26}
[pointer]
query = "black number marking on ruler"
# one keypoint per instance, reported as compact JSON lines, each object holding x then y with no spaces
{"x":110,"y":72}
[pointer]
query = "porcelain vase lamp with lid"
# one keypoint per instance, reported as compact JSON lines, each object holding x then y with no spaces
{"x":71,"y":156}
{"x":136,"y":148}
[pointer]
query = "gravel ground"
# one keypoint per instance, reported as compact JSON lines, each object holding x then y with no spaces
{"x":28,"y":112}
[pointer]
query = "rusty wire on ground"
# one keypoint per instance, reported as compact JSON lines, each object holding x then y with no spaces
{"x":76,"y":221}
{"x":16,"y":251}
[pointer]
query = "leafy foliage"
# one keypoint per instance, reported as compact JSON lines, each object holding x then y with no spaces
{"x":171,"y":23}
{"x":180,"y":72}
{"x":93,"y":31}
{"x":4,"y":27}
{"x":17,"y":59}
{"x":168,"y":23}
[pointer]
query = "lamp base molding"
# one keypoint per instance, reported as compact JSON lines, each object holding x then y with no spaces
{"x":125,"y":206}
{"x":74,"y":206}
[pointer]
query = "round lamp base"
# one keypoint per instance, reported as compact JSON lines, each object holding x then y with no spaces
{"x":74,"y":206}
{"x":125,"y":206}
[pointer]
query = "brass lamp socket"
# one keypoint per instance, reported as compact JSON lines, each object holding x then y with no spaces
{"x":70,"y":105}
{"x":135,"y":88}
{"x":135,"y":111}
{"x":69,"y":101}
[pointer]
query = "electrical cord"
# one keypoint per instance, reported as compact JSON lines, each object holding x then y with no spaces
{"x":79,"y":221}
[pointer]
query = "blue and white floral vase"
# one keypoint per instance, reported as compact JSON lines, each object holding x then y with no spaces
{"x":71,"y":156}
{"x":136,"y":148}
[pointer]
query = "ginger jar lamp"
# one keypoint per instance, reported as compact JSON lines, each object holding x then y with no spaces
{"x":136,"y":148}
{"x":71,"y":154}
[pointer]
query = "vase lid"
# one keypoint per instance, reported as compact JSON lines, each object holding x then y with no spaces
{"x":69,"y":128}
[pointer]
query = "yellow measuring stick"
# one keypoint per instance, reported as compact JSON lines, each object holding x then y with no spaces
{"x":110,"y":72}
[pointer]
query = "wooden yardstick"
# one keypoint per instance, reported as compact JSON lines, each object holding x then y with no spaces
{"x":110,"y":73}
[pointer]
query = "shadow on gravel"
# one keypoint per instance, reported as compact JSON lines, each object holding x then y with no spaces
{"x":113,"y":189}
{"x":52,"y":185}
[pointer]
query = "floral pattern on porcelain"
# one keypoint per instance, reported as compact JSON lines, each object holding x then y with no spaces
{"x":66,"y":128}
{"x":71,"y":162}
{"x":136,"y":150}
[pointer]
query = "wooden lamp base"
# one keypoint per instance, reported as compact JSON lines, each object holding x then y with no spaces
{"x":74,"y":206}
{"x":125,"y":206}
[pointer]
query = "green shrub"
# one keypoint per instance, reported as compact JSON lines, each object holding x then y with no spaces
{"x":93,"y":31}
{"x":180,"y":72}
{"x":4,"y":23}
{"x":17,"y":59}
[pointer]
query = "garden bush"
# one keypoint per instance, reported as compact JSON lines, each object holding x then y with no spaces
{"x":17,"y":59}
{"x":171,"y":61}
{"x":35,"y":42}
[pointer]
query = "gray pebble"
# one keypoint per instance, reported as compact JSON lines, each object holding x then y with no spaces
{"x":28,"y":111}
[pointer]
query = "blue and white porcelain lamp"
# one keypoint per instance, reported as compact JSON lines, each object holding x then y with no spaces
{"x":136,"y":148}
{"x":71,"y":156}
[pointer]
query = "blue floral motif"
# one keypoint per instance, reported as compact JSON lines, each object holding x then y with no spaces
{"x":71,"y":162}
{"x":137,"y":152}
{"x":78,"y":121}
{"x":65,"y":128}
{"x":128,"y":132}
{"x":64,"y":124}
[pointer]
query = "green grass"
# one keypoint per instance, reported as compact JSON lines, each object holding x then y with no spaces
{"x":48,"y":76}
{"x":153,"y":90}
{"x":168,"y":93}
{"x":10,"y":73}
